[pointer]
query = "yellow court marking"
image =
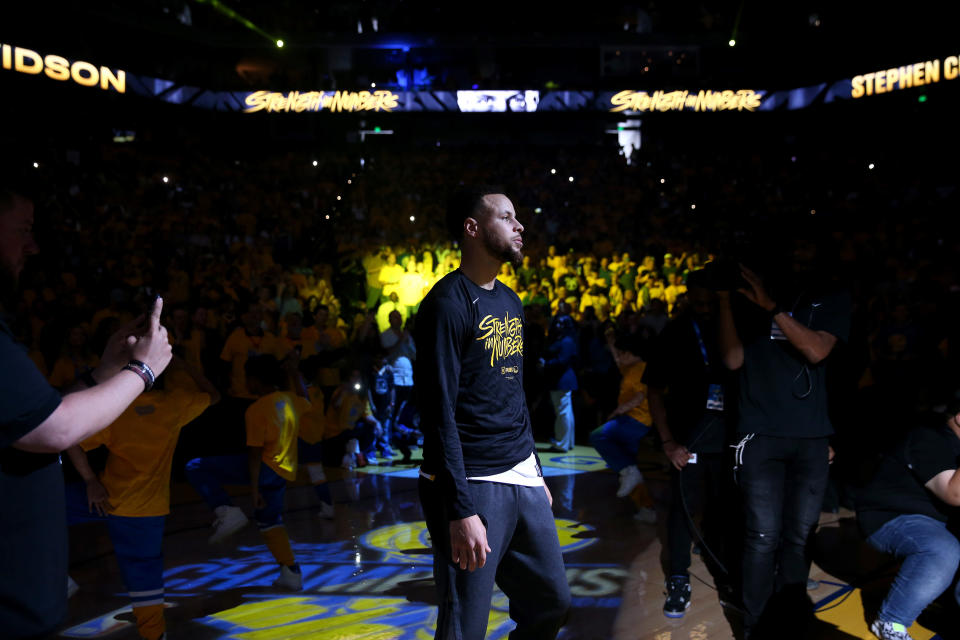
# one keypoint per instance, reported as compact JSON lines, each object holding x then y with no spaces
{"x":847,"y":616}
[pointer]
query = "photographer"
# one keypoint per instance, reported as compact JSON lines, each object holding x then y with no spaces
{"x":904,"y":512}
{"x":783,"y":452}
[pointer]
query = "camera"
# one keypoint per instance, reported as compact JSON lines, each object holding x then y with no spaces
{"x":723,"y":274}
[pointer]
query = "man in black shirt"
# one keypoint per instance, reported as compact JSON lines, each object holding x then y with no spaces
{"x":688,"y":386}
{"x":487,"y":507}
{"x":904,"y":512}
{"x":783,"y":454}
{"x":36,"y":424}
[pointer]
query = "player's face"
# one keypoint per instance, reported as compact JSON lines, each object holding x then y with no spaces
{"x":500,"y":230}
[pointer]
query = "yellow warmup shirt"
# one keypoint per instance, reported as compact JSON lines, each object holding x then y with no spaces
{"x":273,"y":423}
{"x":237,"y":349}
{"x":141,"y":444}
{"x":351,"y":408}
{"x":66,"y":370}
{"x":630,"y":386}
{"x":313,"y":423}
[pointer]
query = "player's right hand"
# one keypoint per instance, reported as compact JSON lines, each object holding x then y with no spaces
{"x":468,"y":543}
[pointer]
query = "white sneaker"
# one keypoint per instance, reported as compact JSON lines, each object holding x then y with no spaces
{"x":889,"y":630}
{"x":229,"y":520}
{"x":646,"y":515}
{"x":289,"y":579}
{"x":326,"y":511}
{"x":630,"y":478}
{"x":72,"y":587}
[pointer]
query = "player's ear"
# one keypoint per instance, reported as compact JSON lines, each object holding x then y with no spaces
{"x":471,"y":227}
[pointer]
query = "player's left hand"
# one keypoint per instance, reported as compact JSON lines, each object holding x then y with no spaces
{"x":549,"y":495}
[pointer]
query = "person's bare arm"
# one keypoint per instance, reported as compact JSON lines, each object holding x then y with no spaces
{"x":676,"y":452}
{"x":946,"y":486}
{"x":814,"y":345}
{"x":731,"y":348}
{"x":84,"y":413}
{"x":97,"y":497}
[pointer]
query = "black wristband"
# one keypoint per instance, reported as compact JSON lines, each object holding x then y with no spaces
{"x":87,"y":378}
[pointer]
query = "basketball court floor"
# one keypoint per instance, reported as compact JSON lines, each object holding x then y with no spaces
{"x":367,"y":573}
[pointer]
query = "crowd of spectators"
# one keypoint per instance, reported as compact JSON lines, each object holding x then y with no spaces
{"x":334,"y":252}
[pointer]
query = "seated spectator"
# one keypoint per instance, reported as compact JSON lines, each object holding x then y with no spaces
{"x":618,"y":440}
{"x":904,"y":512}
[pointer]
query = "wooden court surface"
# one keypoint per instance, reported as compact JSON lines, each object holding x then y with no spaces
{"x":367,"y":573}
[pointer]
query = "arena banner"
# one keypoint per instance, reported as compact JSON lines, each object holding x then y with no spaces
{"x":28,"y":61}
{"x":628,"y":101}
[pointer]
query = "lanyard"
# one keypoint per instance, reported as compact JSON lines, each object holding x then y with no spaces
{"x":703,"y":347}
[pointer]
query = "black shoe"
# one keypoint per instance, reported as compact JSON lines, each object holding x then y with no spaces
{"x":678,"y":597}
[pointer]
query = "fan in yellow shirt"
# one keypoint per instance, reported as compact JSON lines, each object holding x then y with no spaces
{"x":246,"y":341}
{"x":272,"y":426}
{"x":133,"y":492}
{"x":618,"y":440}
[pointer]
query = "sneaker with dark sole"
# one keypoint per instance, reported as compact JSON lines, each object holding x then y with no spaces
{"x":678,"y":597}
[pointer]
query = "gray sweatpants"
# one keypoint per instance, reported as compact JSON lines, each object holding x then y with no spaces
{"x":525,"y":562}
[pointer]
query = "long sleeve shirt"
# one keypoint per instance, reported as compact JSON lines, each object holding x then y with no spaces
{"x":469,"y":381}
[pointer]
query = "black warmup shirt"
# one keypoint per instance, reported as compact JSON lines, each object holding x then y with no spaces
{"x":781,"y":393}
{"x":33,"y":520}
{"x":898,"y":487}
{"x":469,"y":381}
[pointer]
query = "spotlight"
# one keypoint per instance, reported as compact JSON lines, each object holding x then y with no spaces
{"x":36,"y":165}
{"x":553,"y":171}
{"x":538,"y":210}
{"x":413,"y":218}
{"x":663,"y":180}
{"x":570,"y":178}
{"x":338,"y":197}
{"x":166,"y":179}
{"x":279,"y":44}
{"x":692,"y":207}
{"x":732,"y":42}
{"x":326,"y":217}
{"x":871,"y":166}
{"x":314,"y":163}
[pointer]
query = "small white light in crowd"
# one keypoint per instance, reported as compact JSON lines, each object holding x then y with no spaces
{"x":692,"y":207}
{"x":413,"y":218}
{"x":570,"y":178}
{"x":280,"y":44}
{"x":315,"y":163}
{"x":373,"y":85}
{"x":166,"y":179}
{"x":349,"y":181}
{"x":538,"y":210}
{"x":663,"y":180}
{"x":732,"y":42}
{"x":357,"y":387}
{"x":338,"y":197}
{"x":36,"y":165}
{"x":553,"y":172}
{"x":327,"y":217}
{"x":813,"y":212}
{"x":871,"y":166}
